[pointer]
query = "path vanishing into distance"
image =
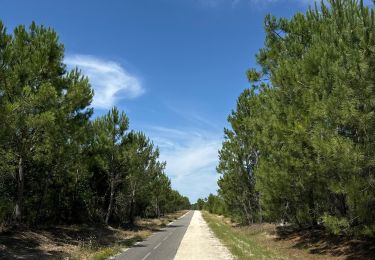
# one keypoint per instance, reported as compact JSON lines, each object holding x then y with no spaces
{"x":189,"y":237}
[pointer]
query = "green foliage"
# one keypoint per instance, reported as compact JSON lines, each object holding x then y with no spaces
{"x":336,"y":225}
{"x":238,"y":157}
{"x":200,"y":204}
{"x":215,"y":204}
{"x":109,"y":136}
{"x":58,"y":166}
{"x":310,"y":120}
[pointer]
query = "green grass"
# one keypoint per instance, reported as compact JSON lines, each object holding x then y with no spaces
{"x":106,"y":252}
{"x":241,"y":243}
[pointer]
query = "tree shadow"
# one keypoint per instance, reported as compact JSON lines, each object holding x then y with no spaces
{"x":57,"y":242}
{"x":48,"y":243}
{"x":14,"y":247}
{"x":318,"y":241}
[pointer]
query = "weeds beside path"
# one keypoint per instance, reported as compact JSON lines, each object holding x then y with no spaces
{"x":77,"y":242}
{"x":264,"y":241}
{"x":241,"y":244}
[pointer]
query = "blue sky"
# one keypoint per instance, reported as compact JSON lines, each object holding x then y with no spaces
{"x":175,"y":67}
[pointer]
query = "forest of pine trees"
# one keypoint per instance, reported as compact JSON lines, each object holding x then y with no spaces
{"x":301,"y":147}
{"x":58,"y":164}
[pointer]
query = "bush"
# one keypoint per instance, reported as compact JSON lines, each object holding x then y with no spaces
{"x":336,"y":225}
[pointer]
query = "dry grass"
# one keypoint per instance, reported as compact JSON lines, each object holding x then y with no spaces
{"x":77,"y":242}
{"x":267,"y":241}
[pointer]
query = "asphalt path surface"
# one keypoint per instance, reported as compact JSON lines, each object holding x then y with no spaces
{"x":161,"y":245}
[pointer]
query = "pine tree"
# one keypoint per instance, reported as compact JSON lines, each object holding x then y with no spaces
{"x":36,"y":93}
{"x":313,"y":122}
{"x":110,"y":133}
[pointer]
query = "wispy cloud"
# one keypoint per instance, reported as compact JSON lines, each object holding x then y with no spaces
{"x":192,"y":116}
{"x":191,"y":156}
{"x":111,"y":82}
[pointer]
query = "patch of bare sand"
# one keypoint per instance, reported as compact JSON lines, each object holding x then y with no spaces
{"x":200,"y":243}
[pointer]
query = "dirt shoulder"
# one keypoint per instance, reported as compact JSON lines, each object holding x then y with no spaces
{"x":200,"y":243}
{"x":267,"y":241}
{"x":77,"y":242}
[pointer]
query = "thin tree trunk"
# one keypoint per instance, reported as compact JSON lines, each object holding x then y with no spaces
{"x":41,"y":201}
{"x":112,"y":192}
{"x":248,"y":218}
{"x":260,"y":209}
{"x":157,"y":209}
{"x":20,"y":185}
{"x":132,"y":209}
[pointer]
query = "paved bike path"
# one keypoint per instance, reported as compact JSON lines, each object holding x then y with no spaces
{"x":162,"y":244}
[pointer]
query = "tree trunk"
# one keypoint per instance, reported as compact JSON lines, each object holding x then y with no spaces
{"x":157,"y":209}
{"x":41,"y":200}
{"x":248,"y":218}
{"x":312,"y":207}
{"x":260,"y":209}
{"x":132,"y":209}
{"x":20,"y":184}
{"x":112,"y":193}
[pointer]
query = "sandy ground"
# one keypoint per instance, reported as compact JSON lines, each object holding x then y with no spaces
{"x":200,"y":243}
{"x":75,"y":241}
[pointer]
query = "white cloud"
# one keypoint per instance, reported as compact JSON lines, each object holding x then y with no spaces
{"x":111,"y":82}
{"x":191,"y":156}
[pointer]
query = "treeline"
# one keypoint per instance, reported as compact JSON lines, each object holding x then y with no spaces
{"x":301,"y":147}
{"x":213,"y":204}
{"x":57,"y":164}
